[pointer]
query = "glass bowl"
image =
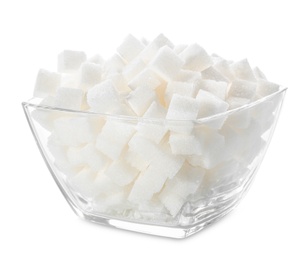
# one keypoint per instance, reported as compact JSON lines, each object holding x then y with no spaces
{"x":163,"y":177}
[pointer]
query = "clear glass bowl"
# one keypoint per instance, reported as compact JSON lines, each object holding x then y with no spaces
{"x":140,"y":174}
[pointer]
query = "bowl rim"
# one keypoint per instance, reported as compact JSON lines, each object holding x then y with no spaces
{"x":34,"y":102}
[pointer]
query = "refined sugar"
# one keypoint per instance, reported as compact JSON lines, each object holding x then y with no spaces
{"x":103,"y":97}
{"x":242,"y":88}
{"x":114,"y":137}
{"x":90,"y":74}
{"x":153,"y":130}
{"x":182,"y":108}
{"x":146,"y":149}
{"x":87,"y":156}
{"x":177,"y":190}
{"x":212,"y":146}
{"x":166,"y":63}
{"x":130,"y":48}
{"x":70,"y":80}
{"x":69,"y":98}
{"x":119,"y":82}
{"x":259,"y":74}
{"x":243,"y":70}
{"x":147,"y":78}
{"x":97,"y":59}
{"x":135,"y":160}
{"x":103,"y":185}
{"x":223,"y":67}
{"x":195,"y":58}
{"x":239,"y":119}
{"x":46,"y":83}
{"x":179,"y":48}
{"x":152,"y":48}
{"x":218,"y":88}
{"x":210,"y":104}
{"x":188,"y":76}
{"x":140,"y":99}
{"x":266,"y":88}
{"x":73,"y":131}
{"x":82,"y":183}
{"x":69,"y":61}
{"x":132,"y":69}
{"x":212,"y":74}
{"x":184,"y":144}
{"x":121,"y":173}
{"x":176,"y":87}
{"x":114,"y":64}
{"x":154,"y":177}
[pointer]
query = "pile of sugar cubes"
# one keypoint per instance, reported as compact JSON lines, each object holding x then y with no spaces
{"x":150,"y":156}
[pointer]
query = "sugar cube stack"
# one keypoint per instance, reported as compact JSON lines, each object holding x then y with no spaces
{"x":153,"y":126}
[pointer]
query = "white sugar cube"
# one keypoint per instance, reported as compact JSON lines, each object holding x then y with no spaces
{"x":147,"y":78}
{"x":195,"y":58}
{"x":114,"y":137}
{"x":69,"y":98}
{"x":176,"y":191}
{"x":212,"y":146}
{"x":154,"y":131}
{"x":120,"y":83}
{"x":133,"y":69}
{"x":218,"y":88}
{"x":46,"y":83}
{"x":185,"y":89}
{"x":154,"y":177}
{"x":140,"y":99}
{"x":121,"y":173}
{"x":58,"y":154}
{"x":182,"y":108}
{"x":135,"y":160}
{"x":188,"y":76}
{"x":69,"y":61}
{"x":73,"y":131}
{"x":82,"y":183}
{"x":152,"y":48}
{"x":44,"y":117}
{"x":242,"y":89}
{"x":87,"y":156}
{"x":266,"y":88}
{"x":145,"y":148}
{"x":130,"y":48}
{"x":239,"y":119}
{"x":223,"y":67}
{"x":166,"y":63}
{"x":103,"y":97}
{"x":184,"y":144}
{"x":103,"y":185}
{"x":259,"y":74}
{"x":212,"y":74}
{"x":179,"y":48}
{"x":243,"y":70}
{"x":114,"y":64}
{"x":210,"y":104}
{"x":97,"y":59}
{"x":90,"y":74}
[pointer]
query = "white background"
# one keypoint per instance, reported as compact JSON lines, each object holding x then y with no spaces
{"x":35,"y":220}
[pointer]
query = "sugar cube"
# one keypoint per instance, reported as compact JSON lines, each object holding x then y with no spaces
{"x":90,"y":74}
{"x":69,"y":98}
{"x":166,"y":63}
{"x":121,"y":173}
{"x":103,"y":97}
{"x":114,"y":137}
{"x":69,"y":61}
{"x":195,"y":58}
{"x":218,"y":88}
{"x":147,"y":78}
{"x":242,"y":88}
{"x":243,"y":70}
{"x":46,"y":83}
{"x":130,"y":48}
